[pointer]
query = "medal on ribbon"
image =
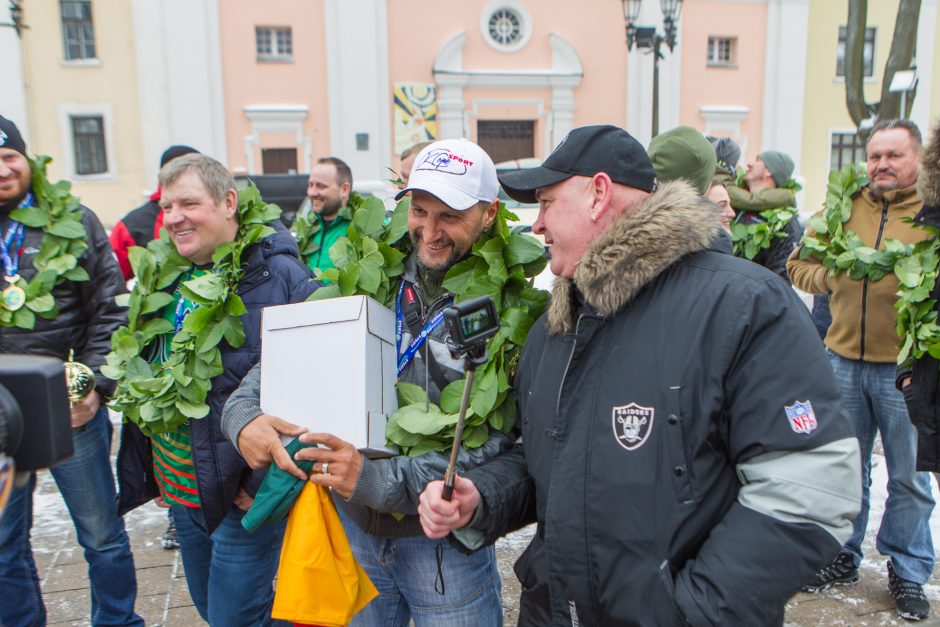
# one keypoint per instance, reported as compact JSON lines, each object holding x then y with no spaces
{"x":13,"y":296}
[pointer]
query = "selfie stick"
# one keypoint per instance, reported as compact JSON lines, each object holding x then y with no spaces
{"x":458,"y":434}
{"x":470,"y":324}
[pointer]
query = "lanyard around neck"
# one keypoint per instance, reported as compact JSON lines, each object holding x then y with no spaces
{"x":405,"y":358}
{"x":13,"y":241}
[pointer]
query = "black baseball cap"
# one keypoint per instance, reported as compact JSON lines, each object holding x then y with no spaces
{"x":585,"y":151}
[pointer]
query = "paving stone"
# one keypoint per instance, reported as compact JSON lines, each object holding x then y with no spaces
{"x":179,"y":593}
{"x":66,"y":577}
{"x":70,"y":606}
{"x":154,"y":580}
{"x":151,"y":607}
{"x":183,"y":617}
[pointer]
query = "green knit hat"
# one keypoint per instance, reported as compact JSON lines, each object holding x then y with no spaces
{"x":683,"y":153}
{"x":779,"y":164}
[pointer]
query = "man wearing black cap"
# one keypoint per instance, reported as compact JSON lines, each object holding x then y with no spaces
{"x":142,"y":224}
{"x":81,"y":317}
{"x":683,"y":448}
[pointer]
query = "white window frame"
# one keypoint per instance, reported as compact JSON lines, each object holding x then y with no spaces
{"x":276,"y":54}
{"x":83,"y":60}
{"x":106,"y":113}
{"x":525,"y":24}
{"x":712,"y":51}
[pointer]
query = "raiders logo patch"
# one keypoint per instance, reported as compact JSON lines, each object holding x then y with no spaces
{"x":632,"y":425}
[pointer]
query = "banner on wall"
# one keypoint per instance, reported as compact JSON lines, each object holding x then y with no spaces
{"x":415,"y":114}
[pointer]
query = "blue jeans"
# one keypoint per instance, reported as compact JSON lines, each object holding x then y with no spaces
{"x":411,"y":574}
{"x":86,"y":482}
{"x":874,"y":405}
{"x":230,"y":574}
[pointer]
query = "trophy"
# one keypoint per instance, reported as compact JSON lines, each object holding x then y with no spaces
{"x":79,"y":379}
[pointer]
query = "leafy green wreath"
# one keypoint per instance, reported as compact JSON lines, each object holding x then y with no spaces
{"x":916,"y":266}
{"x":370,"y":261}
{"x":156,"y":397}
{"x":916,"y":322}
{"x":750,"y":239}
{"x":56,"y":211}
{"x":840,"y":249}
{"x":306,"y":226}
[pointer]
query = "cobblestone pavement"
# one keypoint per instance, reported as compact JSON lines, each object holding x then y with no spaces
{"x":164,"y":600}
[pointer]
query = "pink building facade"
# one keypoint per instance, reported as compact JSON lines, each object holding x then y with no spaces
{"x":361,"y":79}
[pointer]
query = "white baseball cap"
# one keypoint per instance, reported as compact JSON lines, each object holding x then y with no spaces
{"x":456,"y":171}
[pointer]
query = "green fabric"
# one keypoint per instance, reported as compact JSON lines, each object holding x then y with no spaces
{"x":683,"y":153}
{"x":277,"y":492}
{"x":772,"y":198}
{"x":326,"y":237}
{"x":779,"y":164}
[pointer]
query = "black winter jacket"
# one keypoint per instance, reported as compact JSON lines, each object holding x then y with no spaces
{"x":923,"y":394}
{"x":274,"y":275}
{"x":88,"y":313}
{"x":684,"y":450}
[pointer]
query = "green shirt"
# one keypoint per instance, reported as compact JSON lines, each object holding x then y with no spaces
{"x":172,"y":452}
{"x":326,"y":236}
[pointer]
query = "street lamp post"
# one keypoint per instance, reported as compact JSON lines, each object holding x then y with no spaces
{"x":16,"y":15}
{"x":647,"y":37}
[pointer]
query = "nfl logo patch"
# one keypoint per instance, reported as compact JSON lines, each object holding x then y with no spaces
{"x":801,"y":416}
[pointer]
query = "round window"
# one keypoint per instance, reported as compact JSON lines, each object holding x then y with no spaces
{"x":506,"y":25}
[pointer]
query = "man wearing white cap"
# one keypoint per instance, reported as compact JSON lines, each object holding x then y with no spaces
{"x":453,"y":189}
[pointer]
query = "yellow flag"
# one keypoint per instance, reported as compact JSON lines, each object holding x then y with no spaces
{"x":319,"y":581}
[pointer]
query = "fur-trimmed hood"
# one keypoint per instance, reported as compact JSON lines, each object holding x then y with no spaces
{"x":928,"y":183}
{"x":673,"y":222}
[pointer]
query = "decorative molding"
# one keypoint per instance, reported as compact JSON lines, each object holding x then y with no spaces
{"x":722,"y":120}
{"x":277,"y":119}
{"x":565,"y":73}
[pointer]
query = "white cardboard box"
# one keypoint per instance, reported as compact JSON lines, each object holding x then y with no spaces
{"x":330,"y":365}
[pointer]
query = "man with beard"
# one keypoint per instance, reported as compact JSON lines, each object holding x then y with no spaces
{"x":87,"y":316}
{"x":863,"y":348}
{"x":328,"y":189}
{"x":453,"y":189}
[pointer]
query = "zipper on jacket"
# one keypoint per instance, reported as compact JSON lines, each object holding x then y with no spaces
{"x":881,"y":229}
{"x":561,"y":386}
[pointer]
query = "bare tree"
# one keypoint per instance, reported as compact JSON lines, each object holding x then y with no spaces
{"x":899,"y":58}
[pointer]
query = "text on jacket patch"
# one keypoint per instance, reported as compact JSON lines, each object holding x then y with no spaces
{"x":632,"y":425}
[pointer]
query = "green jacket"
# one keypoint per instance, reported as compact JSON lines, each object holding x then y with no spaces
{"x":745,"y":200}
{"x":322,"y":239}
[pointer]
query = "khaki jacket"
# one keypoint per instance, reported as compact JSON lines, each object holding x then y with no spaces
{"x":863,"y":311}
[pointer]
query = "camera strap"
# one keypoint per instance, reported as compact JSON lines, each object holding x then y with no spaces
{"x":404,"y":358}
